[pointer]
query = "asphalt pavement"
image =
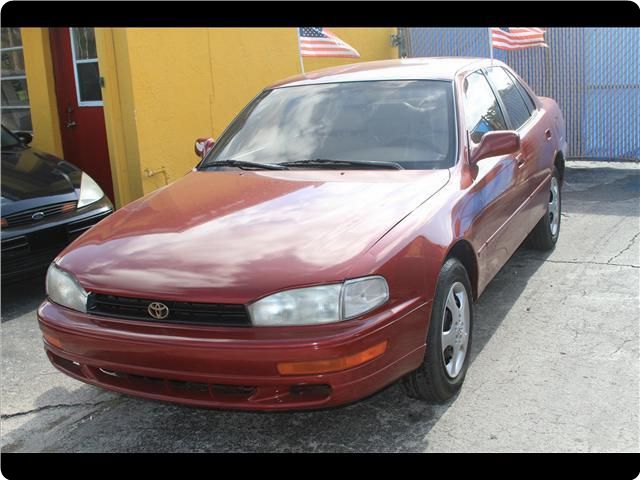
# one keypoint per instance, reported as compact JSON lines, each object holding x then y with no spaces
{"x":554,"y":365}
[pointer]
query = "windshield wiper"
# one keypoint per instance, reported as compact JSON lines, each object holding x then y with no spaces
{"x":329,"y":162}
{"x":246,"y":163}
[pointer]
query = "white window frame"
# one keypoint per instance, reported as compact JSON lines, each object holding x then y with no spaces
{"x":89,"y":103}
{"x":17,"y":77}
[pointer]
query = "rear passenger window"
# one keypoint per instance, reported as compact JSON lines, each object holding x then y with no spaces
{"x":514,"y":103}
{"x":523,"y":92}
{"x":481,"y":110}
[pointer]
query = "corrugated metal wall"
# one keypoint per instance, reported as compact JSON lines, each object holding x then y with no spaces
{"x":593,"y":74}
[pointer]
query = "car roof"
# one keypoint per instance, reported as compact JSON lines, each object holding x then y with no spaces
{"x":426,"y":68}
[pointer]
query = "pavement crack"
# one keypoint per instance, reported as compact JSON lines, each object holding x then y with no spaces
{"x":574,"y":262}
{"x":631,"y":242}
{"x":621,"y":346}
{"x":51,"y":407}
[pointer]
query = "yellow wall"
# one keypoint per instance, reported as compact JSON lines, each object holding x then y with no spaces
{"x":41,"y":87}
{"x":119,"y":113}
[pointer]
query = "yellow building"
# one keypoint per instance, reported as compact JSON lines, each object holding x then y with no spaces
{"x":126,"y":104}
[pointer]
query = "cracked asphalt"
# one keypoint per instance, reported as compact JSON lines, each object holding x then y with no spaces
{"x":554,"y":366}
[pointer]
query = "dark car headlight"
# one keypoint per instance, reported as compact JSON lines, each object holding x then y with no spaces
{"x":321,"y":304}
{"x":64,"y":289}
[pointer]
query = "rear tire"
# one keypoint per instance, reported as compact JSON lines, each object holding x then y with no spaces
{"x":546,"y":232}
{"x":446,"y":359}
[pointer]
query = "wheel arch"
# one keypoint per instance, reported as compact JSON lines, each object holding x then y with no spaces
{"x":464,"y":252}
{"x":558,"y":162}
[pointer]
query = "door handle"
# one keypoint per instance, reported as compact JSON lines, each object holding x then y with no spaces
{"x":520,"y":158}
{"x":547,"y":134}
{"x":70,"y":122}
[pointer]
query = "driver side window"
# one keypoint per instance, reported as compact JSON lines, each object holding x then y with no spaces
{"x":481,"y":110}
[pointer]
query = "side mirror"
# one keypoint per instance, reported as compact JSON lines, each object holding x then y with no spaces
{"x":24,"y":137}
{"x":203,"y":145}
{"x":501,"y":142}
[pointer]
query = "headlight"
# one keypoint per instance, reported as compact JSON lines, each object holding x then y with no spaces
{"x":321,"y":304}
{"x":90,"y":192}
{"x":64,"y":289}
{"x":302,"y":306}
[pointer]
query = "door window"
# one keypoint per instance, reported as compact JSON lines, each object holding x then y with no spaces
{"x":481,"y":110}
{"x":527,"y":98}
{"x":85,"y":67}
{"x":16,"y":114}
{"x":513,"y":102}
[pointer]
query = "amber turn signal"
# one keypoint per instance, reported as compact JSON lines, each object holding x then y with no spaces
{"x":52,"y":341}
{"x":333,"y":365}
{"x":67,"y":207}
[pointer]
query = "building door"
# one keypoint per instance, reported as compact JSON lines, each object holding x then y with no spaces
{"x":79,"y":97}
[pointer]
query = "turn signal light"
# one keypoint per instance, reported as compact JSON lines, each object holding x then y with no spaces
{"x":52,"y":341}
{"x":67,"y":207}
{"x":334,"y":365}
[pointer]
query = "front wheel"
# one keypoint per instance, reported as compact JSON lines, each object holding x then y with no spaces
{"x":448,"y":340}
{"x":546,"y":232}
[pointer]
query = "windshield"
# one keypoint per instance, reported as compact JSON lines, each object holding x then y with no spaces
{"x":9,"y":140}
{"x":410,"y":123}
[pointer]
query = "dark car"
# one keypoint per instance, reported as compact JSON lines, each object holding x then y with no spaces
{"x":46,"y":203}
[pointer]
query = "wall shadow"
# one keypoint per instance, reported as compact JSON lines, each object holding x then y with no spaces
{"x":599,"y":191}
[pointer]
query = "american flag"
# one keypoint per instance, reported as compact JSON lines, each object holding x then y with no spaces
{"x":320,"y":42}
{"x":517,"y":38}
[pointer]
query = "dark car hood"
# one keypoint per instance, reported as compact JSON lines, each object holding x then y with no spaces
{"x":235,"y":236}
{"x":30,"y":178}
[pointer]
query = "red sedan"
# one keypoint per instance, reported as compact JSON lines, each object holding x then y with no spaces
{"x":332,"y":241}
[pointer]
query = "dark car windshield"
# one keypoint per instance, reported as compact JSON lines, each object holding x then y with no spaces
{"x":9,"y":140}
{"x":410,"y":123}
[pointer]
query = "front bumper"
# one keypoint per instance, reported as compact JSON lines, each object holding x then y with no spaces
{"x":232,"y":368}
{"x":30,"y":249}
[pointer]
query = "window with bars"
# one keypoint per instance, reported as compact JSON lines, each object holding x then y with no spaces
{"x":16,"y":114}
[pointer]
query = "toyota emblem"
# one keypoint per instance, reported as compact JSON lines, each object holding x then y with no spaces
{"x":158,"y":310}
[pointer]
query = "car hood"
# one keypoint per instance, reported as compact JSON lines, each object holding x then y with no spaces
{"x":235,"y":236}
{"x":31,"y":178}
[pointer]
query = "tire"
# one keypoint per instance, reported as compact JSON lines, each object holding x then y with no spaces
{"x":546,"y":232}
{"x":437,"y":380}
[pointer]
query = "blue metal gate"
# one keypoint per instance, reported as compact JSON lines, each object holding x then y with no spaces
{"x":593,"y":74}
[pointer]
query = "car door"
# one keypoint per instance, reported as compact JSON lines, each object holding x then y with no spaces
{"x":491,"y":198}
{"x":523,"y":117}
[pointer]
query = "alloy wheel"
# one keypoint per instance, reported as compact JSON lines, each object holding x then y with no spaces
{"x":554,"y":206}
{"x":455,"y":329}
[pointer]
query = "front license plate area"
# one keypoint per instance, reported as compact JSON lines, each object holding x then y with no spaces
{"x":48,"y":238}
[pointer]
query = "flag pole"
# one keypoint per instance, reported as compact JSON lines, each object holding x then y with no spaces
{"x":300,"y":51}
{"x":491,"y":46}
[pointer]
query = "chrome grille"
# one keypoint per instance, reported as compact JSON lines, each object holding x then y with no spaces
{"x":26,"y":216}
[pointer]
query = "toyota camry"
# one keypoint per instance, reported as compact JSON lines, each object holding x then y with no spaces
{"x":330,"y":242}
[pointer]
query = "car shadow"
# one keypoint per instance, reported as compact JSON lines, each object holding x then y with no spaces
{"x":22,"y":296}
{"x":387,"y":421}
